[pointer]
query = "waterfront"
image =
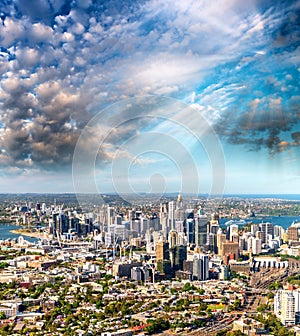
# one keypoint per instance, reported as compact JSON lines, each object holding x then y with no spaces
{"x":5,"y":233}
{"x":283,"y":221}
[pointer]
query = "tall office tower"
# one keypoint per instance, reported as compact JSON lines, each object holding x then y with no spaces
{"x":163,"y":214}
{"x":288,"y":309}
{"x":256,"y":245}
{"x":156,"y":238}
{"x":200,"y":267}
{"x":171,"y":214}
{"x":284,"y":307}
{"x":287,"y":306}
{"x":293,"y":233}
{"x":173,"y":238}
{"x":254,"y":229}
{"x":155,"y":222}
{"x":178,"y":254}
{"x":221,"y":238}
{"x":163,"y":262}
{"x":212,"y":242}
{"x":278,"y":231}
{"x":60,"y":223}
{"x":242,"y":243}
{"x":233,"y":231}
{"x":131,"y":214}
{"x":190,"y":231}
{"x":162,"y":251}
{"x":145,"y":225}
{"x":245,"y":237}
{"x":135,"y":225}
{"x":164,"y":223}
{"x":201,"y":230}
{"x":267,"y":229}
{"x":110,"y":215}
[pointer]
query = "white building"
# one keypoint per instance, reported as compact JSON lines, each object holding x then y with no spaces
{"x":287,"y":306}
{"x":256,"y":245}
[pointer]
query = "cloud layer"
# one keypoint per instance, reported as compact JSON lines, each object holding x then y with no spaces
{"x":235,"y":62}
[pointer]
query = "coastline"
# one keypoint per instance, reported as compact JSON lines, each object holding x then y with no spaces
{"x":25,"y":233}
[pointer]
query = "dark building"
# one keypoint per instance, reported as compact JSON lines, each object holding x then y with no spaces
{"x":162,"y":251}
{"x":201,"y":231}
{"x":178,"y":254}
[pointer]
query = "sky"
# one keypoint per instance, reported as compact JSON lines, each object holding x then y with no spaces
{"x":150,"y":96}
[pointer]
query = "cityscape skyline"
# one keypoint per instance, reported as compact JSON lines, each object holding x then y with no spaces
{"x":150,"y":96}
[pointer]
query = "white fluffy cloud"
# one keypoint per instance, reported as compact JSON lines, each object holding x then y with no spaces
{"x":62,"y":64}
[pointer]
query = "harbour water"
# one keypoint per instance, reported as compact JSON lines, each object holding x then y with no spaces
{"x":5,"y":233}
{"x":284,"y":221}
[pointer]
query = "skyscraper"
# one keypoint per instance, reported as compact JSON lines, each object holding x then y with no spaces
{"x":178,"y":254}
{"x":172,"y":206}
{"x":285,"y":306}
{"x":201,"y":230}
{"x":200,"y":267}
{"x":267,"y":230}
{"x":162,"y":251}
{"x":293,"y":233}
{"x":173,"y":238}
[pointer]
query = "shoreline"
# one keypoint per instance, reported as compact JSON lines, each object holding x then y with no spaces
{"x":22,"y":232}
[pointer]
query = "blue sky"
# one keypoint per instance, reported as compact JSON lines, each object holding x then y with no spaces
{"x":190,"y":96}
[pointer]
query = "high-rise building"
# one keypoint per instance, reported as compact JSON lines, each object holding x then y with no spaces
{"x":178,"y":254}
{"x":221,"y":238}
{"x":233,"y":231}
{"x":110,"y":215}
{"x":201,"y":230}
{"x":200,"y":267}
{"x":155,"y":222}
{"x":190,"y":230}
{"x":256,"y":245}
{"x":267,"y":231}
{"x":212,"y":242}
{"x":278,"y":231}
{"x":173,"y":238}
{"x":285,"y":306}
{"x":171,"y":214}
{"x":162,"y":251}
{"x":292,"y":233}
